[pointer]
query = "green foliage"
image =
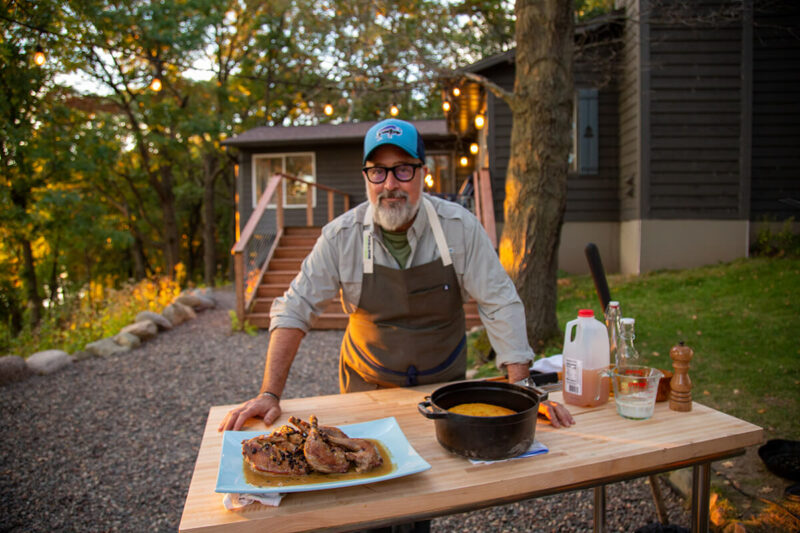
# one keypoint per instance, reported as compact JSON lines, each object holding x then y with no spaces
{"x":236,"y":325}
{"x":784,"y":243}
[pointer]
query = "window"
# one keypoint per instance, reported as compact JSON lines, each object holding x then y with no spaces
{"x":440,"y":166}
{"x":583,"y":157}
{"x":300,"y":165}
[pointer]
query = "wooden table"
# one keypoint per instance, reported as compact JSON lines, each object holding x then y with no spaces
{"x":601,"y":448}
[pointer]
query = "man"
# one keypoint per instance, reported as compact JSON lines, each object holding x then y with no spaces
{"x":403,"y":263}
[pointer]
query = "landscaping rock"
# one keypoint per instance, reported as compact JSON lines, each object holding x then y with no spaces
{"x":127,"y":340}
{"x":82,"y":355}
{"x":144,"y":329}
{"x":106,"y":347}
{"x":158,"y":320}
{"x":13,"y":369}
{"x":178,"y":313}
{"x":196,"y":301}
{"x":48,"y":361}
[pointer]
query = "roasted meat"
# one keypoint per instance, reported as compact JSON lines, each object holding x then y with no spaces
{"x":362,"y":452}
{"x":279,"y":452}
{"x":321,"y":455}
{"x":305,"y":427}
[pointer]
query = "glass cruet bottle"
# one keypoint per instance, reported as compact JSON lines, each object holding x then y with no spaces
{"x":613,"y":316}
{"x":626,"y":352}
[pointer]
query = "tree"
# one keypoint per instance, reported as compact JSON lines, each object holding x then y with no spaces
{"x":536,"y":182}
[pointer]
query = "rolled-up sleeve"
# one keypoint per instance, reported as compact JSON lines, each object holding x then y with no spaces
{"x":499,"y":304}
{"x":315,"y":285}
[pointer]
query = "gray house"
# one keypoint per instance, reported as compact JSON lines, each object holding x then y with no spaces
{"x":685,"y":136}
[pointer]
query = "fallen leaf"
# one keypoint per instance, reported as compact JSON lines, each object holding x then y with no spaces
{"x":736,"y":391}
{"x":656,"y":354}
{"x":727,"y":464}
{"x":765,"y":490}
{"x":761,"y":411}
{"x":694,"y":317}
{"x":699,"y":333}
{"x":706,"y":393}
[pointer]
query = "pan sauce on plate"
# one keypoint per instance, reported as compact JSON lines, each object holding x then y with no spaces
{"x":481,"y":409}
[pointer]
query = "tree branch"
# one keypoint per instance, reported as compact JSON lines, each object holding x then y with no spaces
{"x":507,"y":96}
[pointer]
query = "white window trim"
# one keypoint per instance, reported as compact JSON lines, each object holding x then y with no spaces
{"x":283,"y":156}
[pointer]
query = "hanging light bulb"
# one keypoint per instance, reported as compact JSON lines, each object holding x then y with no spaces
{"x":446,"y":106}
{"x":456,"y":91}
{"x":328,"y":110}
{"x":38,"y":56}
{"x":480,"y":121}
{"x":394,"y":110}
{"x":473,"y":148}
{"x":155,"y":85}
{"x":464,"y":161}
{"x":429,"y":181}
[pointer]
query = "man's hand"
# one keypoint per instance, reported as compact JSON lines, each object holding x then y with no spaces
{"x":557,"y":414}
{"x":263,"y":406}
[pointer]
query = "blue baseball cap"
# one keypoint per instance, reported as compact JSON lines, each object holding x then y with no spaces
{"x":397,"y":132}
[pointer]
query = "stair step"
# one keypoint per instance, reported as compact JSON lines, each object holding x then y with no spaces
{"x":313,"y":231}
{"x":263,"y":305}
{"x":279,"y":276}
{"x":291,"y":252}
{"x":271,"y":290}
{"x":284,"y":264}
{"x":297,"y":241}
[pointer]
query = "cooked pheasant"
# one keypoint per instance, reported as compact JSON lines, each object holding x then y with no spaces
{"x":305,"y":427}
{"x":362,"y":452}
{"x":309,"y":448}
{"x":321,"y":455}
{"x":279,"y":452}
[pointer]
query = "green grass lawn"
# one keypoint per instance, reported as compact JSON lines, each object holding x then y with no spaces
{"x":742,"y":319}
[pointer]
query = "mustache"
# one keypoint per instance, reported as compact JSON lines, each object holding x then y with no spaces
{"x":392,"y":194}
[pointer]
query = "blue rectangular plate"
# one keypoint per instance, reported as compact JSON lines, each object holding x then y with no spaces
{"x":406,"y":460}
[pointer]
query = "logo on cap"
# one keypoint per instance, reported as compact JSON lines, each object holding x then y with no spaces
{"x":388,"y":132}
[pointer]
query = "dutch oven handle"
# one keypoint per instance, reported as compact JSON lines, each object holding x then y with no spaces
{"x":541,"y":394}
{"x":432,"y":414}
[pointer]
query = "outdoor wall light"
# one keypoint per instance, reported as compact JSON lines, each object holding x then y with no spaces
{"x":38,"y":56}
{"x":473,"y":148}
{"x":480,"y":121}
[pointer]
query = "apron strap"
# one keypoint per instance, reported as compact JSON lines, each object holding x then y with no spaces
{"x":436,"y":226}
{"x":412,"y":373}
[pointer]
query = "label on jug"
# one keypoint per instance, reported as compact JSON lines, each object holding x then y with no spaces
{"x":573,"y":376}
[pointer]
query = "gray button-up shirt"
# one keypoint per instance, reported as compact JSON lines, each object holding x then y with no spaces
{"x":335,"y":266}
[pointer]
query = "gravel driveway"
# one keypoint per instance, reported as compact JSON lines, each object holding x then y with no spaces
{"x":110,"y":444}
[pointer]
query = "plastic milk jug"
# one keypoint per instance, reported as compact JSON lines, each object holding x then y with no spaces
{"x":586,"y":360}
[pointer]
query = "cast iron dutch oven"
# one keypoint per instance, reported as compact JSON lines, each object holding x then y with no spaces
{"x":480,"y":437}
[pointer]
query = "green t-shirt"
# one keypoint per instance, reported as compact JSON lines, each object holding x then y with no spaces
{"x":397,"y":243}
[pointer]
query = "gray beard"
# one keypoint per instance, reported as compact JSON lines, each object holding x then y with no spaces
{"x":393,"y":217}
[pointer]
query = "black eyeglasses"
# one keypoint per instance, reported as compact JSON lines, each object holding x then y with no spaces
{"x":402,"y":172}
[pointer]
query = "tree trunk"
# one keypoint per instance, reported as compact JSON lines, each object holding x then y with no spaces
{"x":210,"y":173}
{"x":171,"y":238}
{"x":536,"y":183}
{"x":31,"y":284}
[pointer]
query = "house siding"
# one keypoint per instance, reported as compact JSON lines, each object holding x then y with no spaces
{"x":695,"y":78}
{"x":629,"y":90}
{"x":775,"y":168}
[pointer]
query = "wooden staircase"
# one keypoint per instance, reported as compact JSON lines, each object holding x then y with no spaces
{"x":293,"y":247}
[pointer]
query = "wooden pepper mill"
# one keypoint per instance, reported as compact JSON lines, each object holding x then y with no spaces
{"x":680,"y":396}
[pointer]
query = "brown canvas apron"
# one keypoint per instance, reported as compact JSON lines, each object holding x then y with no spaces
{"x":409,"y":326}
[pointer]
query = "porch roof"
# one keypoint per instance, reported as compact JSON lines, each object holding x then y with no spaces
{"x":346,"y":132}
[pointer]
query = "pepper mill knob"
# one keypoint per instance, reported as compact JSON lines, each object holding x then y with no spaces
{"x":680,"y":396}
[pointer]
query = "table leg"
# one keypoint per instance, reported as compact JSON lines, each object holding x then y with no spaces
{"x":701,"y":482}
{"x":600,"y":509}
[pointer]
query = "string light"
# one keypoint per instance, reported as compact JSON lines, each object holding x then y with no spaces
{"x":155,"y":85}
{"x":464,"y":161}
{"x":429,"y":181}
{"x":473,"y":148}
{"x":38,"y":56}
{"x":394,"y":110}
{"x":456,"y":91}
{"x":446,"y":106}
{"x":480,"y":121}
{"x":328,"y":110}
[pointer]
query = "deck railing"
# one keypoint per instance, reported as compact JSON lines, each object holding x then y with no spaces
{"x":255,"y":247}
{"x":484,"y":203}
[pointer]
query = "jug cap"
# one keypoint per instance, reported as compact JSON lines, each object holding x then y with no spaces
{"x":586,"y":313}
